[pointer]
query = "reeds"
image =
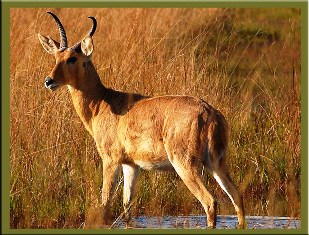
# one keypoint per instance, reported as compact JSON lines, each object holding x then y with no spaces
{"x":245,"y":62}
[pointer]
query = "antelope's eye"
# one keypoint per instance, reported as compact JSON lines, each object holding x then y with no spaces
{"x":71,"y":60}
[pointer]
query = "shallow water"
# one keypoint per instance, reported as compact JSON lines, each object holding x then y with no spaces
{"x":223,"y":222}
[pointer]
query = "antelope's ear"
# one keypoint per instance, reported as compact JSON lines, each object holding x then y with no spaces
{"x":87,"y":46}
{"x":49,"y":44}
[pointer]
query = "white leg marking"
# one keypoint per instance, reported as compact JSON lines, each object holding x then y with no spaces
{"x":222,"y":186}
{"x":128,"y":178}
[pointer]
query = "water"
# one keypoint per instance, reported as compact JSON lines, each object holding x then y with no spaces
{"x":223,"y":222}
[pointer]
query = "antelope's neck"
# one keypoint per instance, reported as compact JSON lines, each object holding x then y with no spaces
{"x":87,"y":96}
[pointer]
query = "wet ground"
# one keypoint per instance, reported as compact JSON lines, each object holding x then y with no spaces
{"x":223,"y":222}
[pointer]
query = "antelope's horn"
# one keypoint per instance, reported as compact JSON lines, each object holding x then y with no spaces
{"x":91,"y":32}
{"x":63,"y":36}
{"x":94,"y":25}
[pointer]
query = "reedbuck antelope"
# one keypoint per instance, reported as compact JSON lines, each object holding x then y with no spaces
{"x":132,"y":131}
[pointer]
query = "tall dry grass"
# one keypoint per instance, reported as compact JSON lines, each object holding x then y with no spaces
{"x":245,"y":62}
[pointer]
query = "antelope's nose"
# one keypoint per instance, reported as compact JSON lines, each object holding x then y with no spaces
{"x":48,"y":82}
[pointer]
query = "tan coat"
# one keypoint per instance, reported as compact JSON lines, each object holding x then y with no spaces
{"x":132,"y":131}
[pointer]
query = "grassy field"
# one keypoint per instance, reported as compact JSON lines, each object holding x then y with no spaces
{"x":244,"y":62}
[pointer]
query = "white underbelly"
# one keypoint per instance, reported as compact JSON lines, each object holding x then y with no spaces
{"x":158,"y":165}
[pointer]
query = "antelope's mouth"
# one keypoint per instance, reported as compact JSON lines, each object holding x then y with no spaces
{"x":51,"y":84}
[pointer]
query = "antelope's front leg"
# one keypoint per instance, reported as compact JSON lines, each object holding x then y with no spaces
{"x":130,"y":174}
{"x":110,"y":173}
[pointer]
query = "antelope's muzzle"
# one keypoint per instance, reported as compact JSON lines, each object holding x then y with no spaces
{"x":50,"y":84}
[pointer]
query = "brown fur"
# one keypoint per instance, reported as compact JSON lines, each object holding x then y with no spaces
{"x":134,"y":131}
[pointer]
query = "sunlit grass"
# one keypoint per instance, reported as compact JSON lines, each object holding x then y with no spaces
{"x":247,"y":67}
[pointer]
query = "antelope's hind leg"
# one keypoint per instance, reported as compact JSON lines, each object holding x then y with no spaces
{"x":188,"y":172}
{"x":222,"y":176}
{"x":130,"y":174}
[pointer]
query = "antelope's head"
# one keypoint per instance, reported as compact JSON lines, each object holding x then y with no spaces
{"x":70,"y":61}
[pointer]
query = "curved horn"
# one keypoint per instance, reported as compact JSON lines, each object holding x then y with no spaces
{"x":94,"y":25}
{"x":76,"y":47}
{"x":63,"y":36}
